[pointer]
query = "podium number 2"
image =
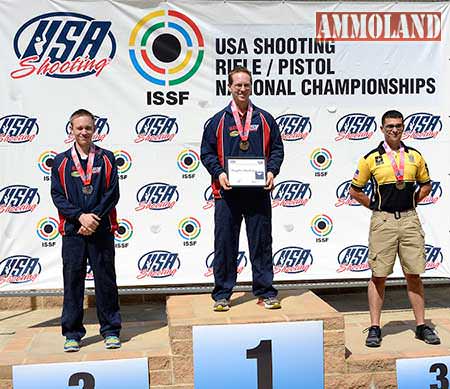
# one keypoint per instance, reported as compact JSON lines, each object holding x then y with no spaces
{"x":87,"y":379}
{"x":441,"y":377}
{"x":263,"y":355}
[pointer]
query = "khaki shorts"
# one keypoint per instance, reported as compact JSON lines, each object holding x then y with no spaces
{"x":389,"y":236}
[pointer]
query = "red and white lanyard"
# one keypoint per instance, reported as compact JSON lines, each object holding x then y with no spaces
{"x":399,"y":170}
{"x":243,"y":131}
{"x":85,"y":177}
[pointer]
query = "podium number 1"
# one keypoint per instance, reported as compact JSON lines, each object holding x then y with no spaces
{"x":263,"y":355}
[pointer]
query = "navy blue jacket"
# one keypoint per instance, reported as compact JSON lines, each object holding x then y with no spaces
{"x":221,"y":140}
{"x":67,"y":195}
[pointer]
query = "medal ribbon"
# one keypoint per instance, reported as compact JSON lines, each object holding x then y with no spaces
{"x":399,"y":171}
{"x":243,"y":132}
{"x":85,"y":177}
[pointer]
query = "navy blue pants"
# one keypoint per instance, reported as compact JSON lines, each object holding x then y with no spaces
{"x":99,"y":248}
{"x":255,"y":207}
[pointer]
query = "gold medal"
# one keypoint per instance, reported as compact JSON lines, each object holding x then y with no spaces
{"x":400,"y":185}
{"x":244,"y":145}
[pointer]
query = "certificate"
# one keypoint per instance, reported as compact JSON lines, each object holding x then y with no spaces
{"x":244,"y":171}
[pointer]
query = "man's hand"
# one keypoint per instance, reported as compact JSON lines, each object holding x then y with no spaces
{"x":84,"y":231}
{"x":89,"y":221}
{"x":224,"y":183}
{"x":269,"y":181}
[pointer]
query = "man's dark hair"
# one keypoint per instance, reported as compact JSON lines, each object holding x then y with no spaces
{"x":238,"y":69}
{"x":392,"y":114}
{"x":81,"y":112}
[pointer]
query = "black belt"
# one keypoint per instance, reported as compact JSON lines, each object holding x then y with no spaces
{"x":399,"y":214}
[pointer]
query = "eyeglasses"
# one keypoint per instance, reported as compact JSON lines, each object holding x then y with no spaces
{"x":392,"y":126}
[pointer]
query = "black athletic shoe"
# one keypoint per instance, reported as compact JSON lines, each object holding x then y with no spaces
{"x":374,"y":336}
{"x":427,"y":334}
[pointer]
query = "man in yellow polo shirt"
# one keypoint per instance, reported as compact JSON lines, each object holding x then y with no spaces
{"x":395,"y":228}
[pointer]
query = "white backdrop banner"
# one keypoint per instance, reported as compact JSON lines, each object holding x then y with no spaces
{"x":154,"y":72}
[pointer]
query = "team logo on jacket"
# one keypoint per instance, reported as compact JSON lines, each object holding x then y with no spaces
{"x":18,"y":199}
{"x":422,"y":125}
{"x":47,"y":231}
{"x":45,"y":163}
{"x":100,"y":133}
{"x":294,"y":127}
{"x":156,"y":128}
{"x":63,"y":45}
{"x":158,"y":264}
{"x":208,"y":197}
{"x":18,"y":129}
{"x":353,"y":258}
{"x":292,"y":260}
{"x":434,"y":195}
{"x":157,"y":196}
{"x":290,"y":194}
{"x":166,"y":47}
{"x":241,"y":263}
{"x":343,"y":194}
{"x":19,"y":269}
{"x":355,"y":126}
{"x":433,"y":257}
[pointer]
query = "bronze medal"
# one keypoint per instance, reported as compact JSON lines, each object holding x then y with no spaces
{"x":400,"y":185}
{"x":244,"y":145}
{"x":88,"y":189}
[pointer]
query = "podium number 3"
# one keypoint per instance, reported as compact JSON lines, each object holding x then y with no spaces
{"x":87,"y":379}
{"x":263,"y":355}
{"x":441,"y":377}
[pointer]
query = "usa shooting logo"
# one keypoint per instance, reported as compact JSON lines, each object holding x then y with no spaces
{"x":421,"y":126}
{"x":158,"y":264}
{"x":291,"y":194}
{"x":19,"y":269}
{"x":433,"y":257}
{"x":320,"y":159}
{"x":208,"y":197}
{"x":18,"y":199}
{"x":18,"y":129}
{"x":241,"y":263}
{"x":292,"y":260}
{"x":294,"y":127}
{"x":156,"y":128}
{"x":123,"y":233}
{"x":353,"y":258}
{"x":100,"y":133}
{"x":166,"y":47}
{"x":63,"y":45}
{"x":343,"y":194}
{"x":434,"y":195}
{"x":188,"y":161}
{"x":47,"y":231}
{"x":355,"y":126}
{"x":157,"y":196}
{"x":123,"y":162}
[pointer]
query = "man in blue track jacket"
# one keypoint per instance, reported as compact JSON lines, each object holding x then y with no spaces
{"x":242,"y":130}
{"x":85,"y":190}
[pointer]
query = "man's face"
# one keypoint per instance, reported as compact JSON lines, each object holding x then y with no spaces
{"x":82,"y":129}
{"x":240,"y":88}
{"x":392,"y":130}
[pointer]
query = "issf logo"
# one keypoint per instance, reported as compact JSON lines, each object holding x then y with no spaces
{"x":422,"y":125}
{"x":123,"y":233}
{"x":100,"y":133}
{"x":241,"y":263}
{"x":355,"y":126}
{"x":45,"y":163}
{"x":433,"y":257}
{"x":166,"y":47}
{"x":292,"y":260}
{"x":156,"y":128}
{"x":18,"y":129}
{"x":320,"y":159}
{"x":189,"y":229}
{"x":188,"y":161}
{"x":434,"y":195}
{"x":208,"y":197}
{"x":290,"y":194}
{"x":47,"y":231}
{"x":343,"y":194}
{"x":63,"y":45}
{"x":123,"y":162}
{"x":353,"y":258}
{"x":19,"y":269}
{"x":294,"y":127}
{"x":18,"y":199}
{"x":321,"y":226}
{"x":158,"y":264}
{"x":157,"y":196}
